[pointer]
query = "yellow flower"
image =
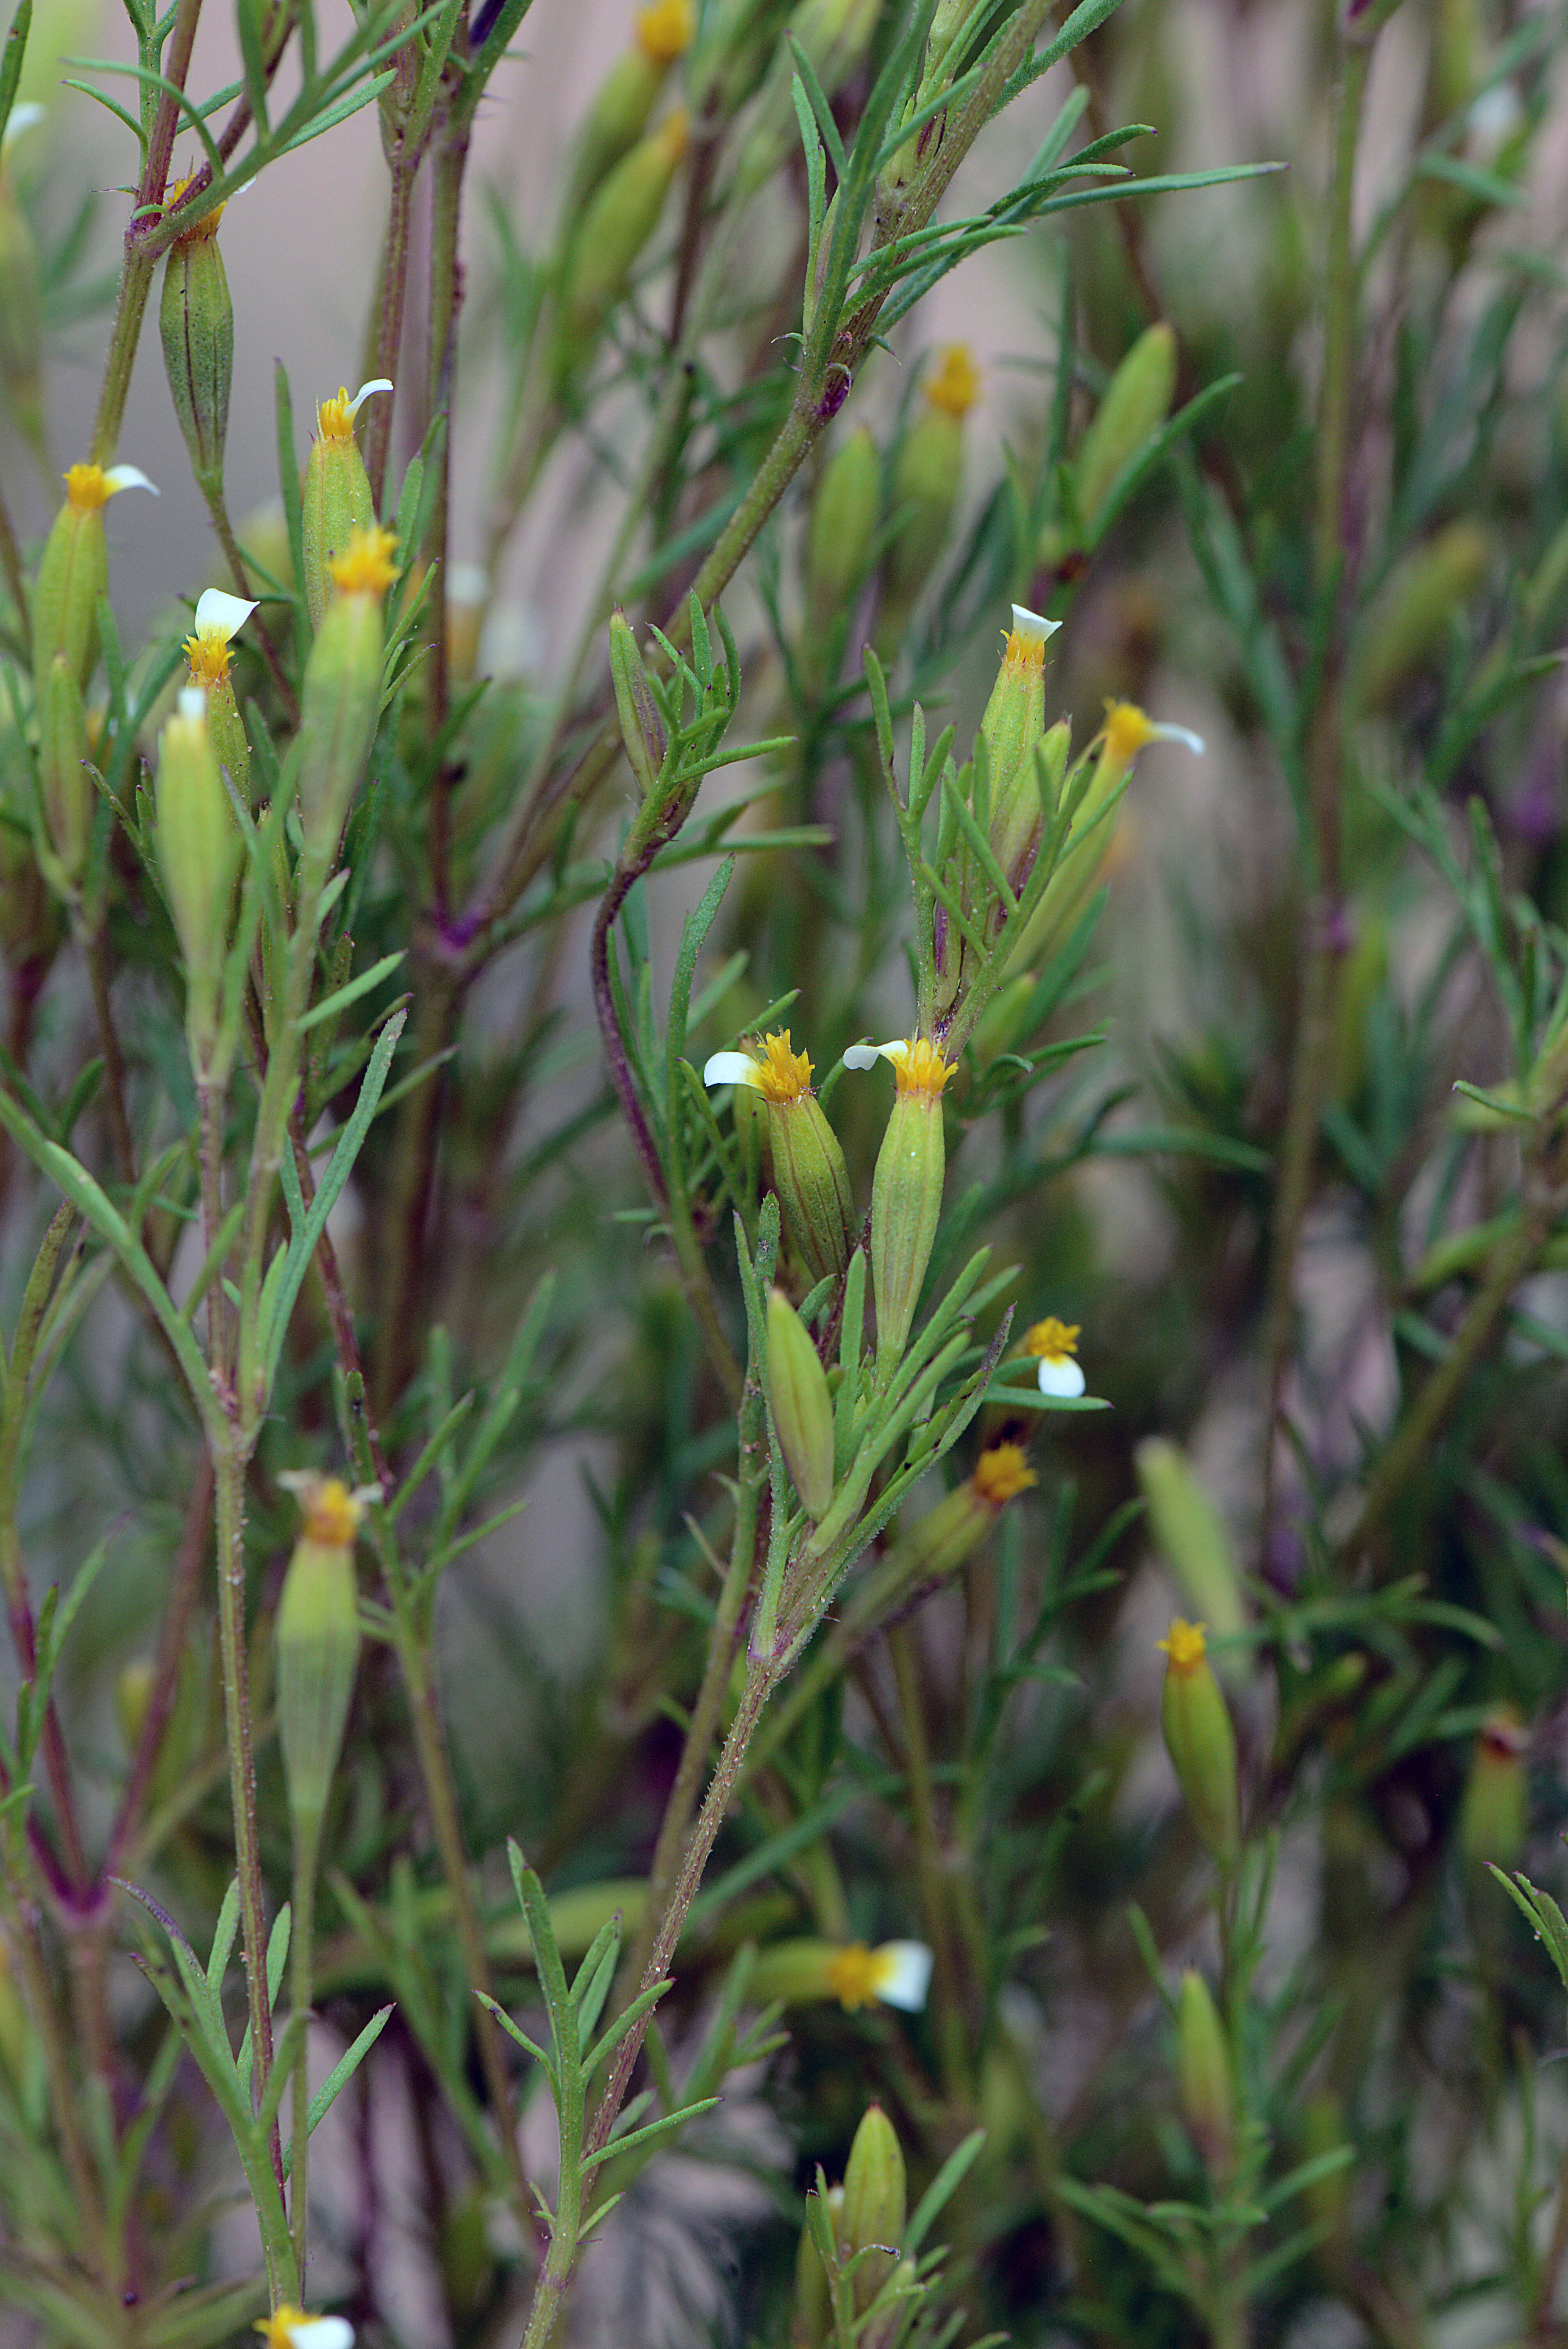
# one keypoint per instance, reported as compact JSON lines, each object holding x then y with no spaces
{"x":1185,"y":1645}
{"x":89,"y":487}
{"x":1055,"y":1343}
{"x":954,"y":384}
{"x":219,"y":618}
{"x":917,"y":1066}
{"x":664,"y":30}
{"x":898,"y":1975}
{"x":365,"y":566}
{"x":335,"y":417}
{"x":1127,"y":729}
{"x":775,"y":1069}
{"x":292,"y":2328}
{"x":1001,"y":1474}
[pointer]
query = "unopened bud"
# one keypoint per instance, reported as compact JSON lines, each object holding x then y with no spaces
{"x":336,"y":500}
{"x":1203,"y":2073}
{"x":874,"y":2205}
{"x":844,"y":522}
{"x":21,"y":313}
{"x":1137,"y":402}
{"x":619,"y":112}
{"x":642,"y":727}
{"x":1195,"y":1543}
{"x":1323,"y":2131}
{"x":798,"y":1401}
{"x":1495,"y":1814}
{"x":132,"y":1695}
{"x":67,"y":789}
{"x":341,"y":699}
{"x":199,"y":855}
{"x":906,"y":1190}
{"x":197,"y":321}
{"x":1409,"y":621}
{"x":621,"y":217}
{"x":1200,"y":1740}
{"x":927,"y":480}
{"x":317,"y":1642}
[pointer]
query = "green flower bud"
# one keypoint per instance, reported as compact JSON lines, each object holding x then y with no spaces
{"x":199,"y":855}
{"x":21,"y":313}
{"x":621,"y":217}
{"x":927,"y":479}
{"x":73,"y":571}
{"x":335,"y":498}
{"x":317,"y":1643}
{"x":1409,"y":623}
{"x":808,"y":1171}
{"x":1201,"y":1741}
{"x":1323,"y":2131}
{"x":874,"y":2205}
{"x":906,"y":1190}
{"x":843,"y":520}
{"x":67,"y":789}
{"x":342,"y":696}
{"x":1495,"y":1815}
{"x":1195,"y":1543}
{"x":1203,"y":2074}
{"x":1013,"y":730}
{"x":197,"y":321}
{"x":642,"y":727}
{"x":1137,"y":402}
{"x":798,"y":1401}
{"x":626,"y":98}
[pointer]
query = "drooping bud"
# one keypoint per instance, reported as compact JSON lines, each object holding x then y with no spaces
{"x":335,"y":499}
{"x":73,"y":570}
{"x":808,"y":1171}
{"x":1201,"y":1741}
{"x":801,"y":1409}
{"x":317,"y":1639}
{"x":927,"y":480}
{"x":1203,"y":2074}
{"x":197,"y":321}
{"x":1137,"y":402}
{"x":642,"y":727}
{"x":65,"y":788}
{"x":341,"y":699}
{"x":874,"y":2205}
{"x":1495,"y":1815}
{"x":199,"y":855}
{"x":219,"y":617}
{"x":620,"y":218}
{"x":624,"y":100}
{"x":906,"y":1190}
{"x":1195,"y":1543}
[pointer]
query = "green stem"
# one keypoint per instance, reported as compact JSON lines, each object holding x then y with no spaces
{"x":301,"y":1936}
{"x":389,"y":312}
{"x":229,"y":1481}
{"x":934,"y":1900}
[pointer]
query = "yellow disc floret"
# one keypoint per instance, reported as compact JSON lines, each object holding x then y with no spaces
{"x":277,"y":2329}
{"x":664,"y":30}
{"x":921,"y":1068}
{"x":1002,"y":1473}
{"x":954,"y":384}
{"x":1185,"y":1645}
{"x":782,"y":1075}
{"x":335,"y":417}
{"x":88,"y":488}
{"x":1127,"y":729}
{"x":854,"y":1975}
{"x":1051,"y":1340}
{"x":209,"y":656}
{"x":365,"y":567}
{"x":332,"y":1514}
{"x":199,"y":231}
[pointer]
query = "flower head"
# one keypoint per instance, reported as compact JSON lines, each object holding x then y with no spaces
{"x":335,"y":417}
{"x":1054,"y":1344}
{"x":775,"y":1069}
{"x":1185,"y":1645}
{"x":898,"y":1975}
{"x":219,"y":618}
{"x":917,"y":1066}
{"x":331,"y":1511}
{"x":954,"y":384}
{"x":365,"y":566}
{"x":1001,"y":1474}
{"x":664,"y":30}
{"x":1025,"y":645}
{"x":89,"y":487}
{"x":292,"y":2328}
{"x":1127,"y":729}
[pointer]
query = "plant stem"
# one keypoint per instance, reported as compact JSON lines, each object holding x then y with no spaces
{"x":390,"y":312}
{"x":229,"y":1483}
{"x":301,"y":1932}
{"x":933,"y":1890}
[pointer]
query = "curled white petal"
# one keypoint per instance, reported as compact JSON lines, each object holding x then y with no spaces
{"x":192,"y":703}
{"x":21,"y":119}
{"x":730,"y":1069}
{"x":866,"y":1056}
{"x":1060,"y":1375}
{"x":322,"y":2333}
{"x":1183,"y":734}
{"x":220,"y":614}
{"x":903,"y":1972}
{"x":377,"y":383}
{"x":1031,"y":626}
{"x":128,"y":477}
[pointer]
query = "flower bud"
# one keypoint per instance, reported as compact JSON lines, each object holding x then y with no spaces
{"x":1137,"y":402}
{"x":844,"y":521}
{"x":199,"y":855}
{"x":621,"y":217}
{"x":197,"y":321}
{"x":1495,"y":1814}
{"x":21,"y":313}
{"x":336,"y":500}
{"x":1203,"y":2074}
{"x":317,"y":1643}
{"x":1014,"y":733}
{"x":341,"y":699}
{"x":1201,"y":1741}
{"x":73,"y":571}
{"x":927,"y":478}
{"x":874,"y":2205}
{"x":132,"y":1695}
{"x":67,"y":789}
{"x":626,"y":98}
{"x":906,"y":1190}
{"x":642,"y":727}
{"x":1322,"y":2131}
{"x":1194,"y":1541}
{"x":798,"y":1401}
{"x":808,"y":1171}
{"x":218,"y":617}
{"x":1408,"y":624}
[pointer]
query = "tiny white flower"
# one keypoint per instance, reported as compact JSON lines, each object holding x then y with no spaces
{"x":128,"y":477}
{"x":1030,"y":629}
{"x":292,"y":2328}
{"x":1055,"y":1343}
{"x":897,"y":1973}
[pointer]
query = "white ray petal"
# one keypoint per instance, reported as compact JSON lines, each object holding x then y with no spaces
{"x":1031,"y":626}
{"x":221,"y":615}
{"x":903,"y":1974}
{"x":377,"y":383}
{"x":1061,"y":1376}
{"x":128,"y":477}
{"x":730,"y":1069}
